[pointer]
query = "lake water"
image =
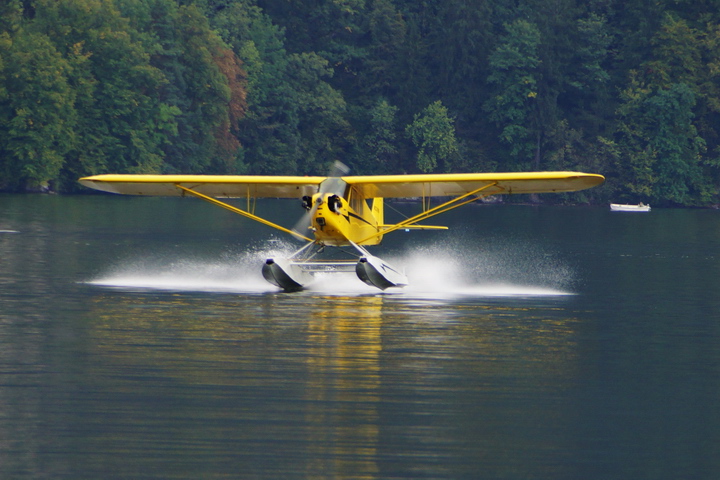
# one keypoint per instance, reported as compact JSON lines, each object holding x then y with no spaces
{"x":139,"y":340}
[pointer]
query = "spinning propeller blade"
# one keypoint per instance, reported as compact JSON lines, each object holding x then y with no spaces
{"x":333,"y":184}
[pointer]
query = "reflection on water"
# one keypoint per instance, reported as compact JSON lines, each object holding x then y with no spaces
{"x":568,"y":344}
{"x":334,"y":392}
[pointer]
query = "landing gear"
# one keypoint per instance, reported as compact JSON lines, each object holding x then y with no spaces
{"x":282,"y":273}
{"x":296,"y":271}
{"x":377,"y":273}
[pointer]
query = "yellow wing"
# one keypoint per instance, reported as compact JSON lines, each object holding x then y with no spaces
{"x":456,"y":184}
{"x":218,"y":186}
{"x":463,"y":187}
{"x":372,"y":186}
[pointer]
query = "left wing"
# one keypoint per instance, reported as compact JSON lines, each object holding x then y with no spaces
{"x":218,"y":186}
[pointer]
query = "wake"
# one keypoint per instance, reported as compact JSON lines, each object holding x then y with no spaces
{"x":444,"y":270}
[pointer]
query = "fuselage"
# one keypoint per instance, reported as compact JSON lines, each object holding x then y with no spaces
{"x":338,"y":222}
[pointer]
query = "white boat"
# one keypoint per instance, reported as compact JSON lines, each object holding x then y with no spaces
{"x":618,"y":207}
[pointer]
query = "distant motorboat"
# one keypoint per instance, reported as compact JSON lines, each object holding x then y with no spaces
{"x":619,"y":207}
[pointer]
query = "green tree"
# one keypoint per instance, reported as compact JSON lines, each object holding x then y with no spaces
{"x":585,"y":96}
{"x":662,"y":145}
{"x":37,"y":117}
{"x":330,"y":28}
{"x":387,"y":31}
{"x":568,"y":149}
{"x":514,"y":81}
{"x":708,"y":121}
{"x":269,"y":131}
{"x":414,"y":78}
{"x":296,"y":121}
{"x":688,"y":55}
{"x":209,"y":86}
{"x":278,"y":87}
{"x":378,"y":149}
{"x":433,"y":134}
{"x":122,"y":122}
{"x":666,"y":116}
{"x":11,"y":12}
{"x":321,"y":109}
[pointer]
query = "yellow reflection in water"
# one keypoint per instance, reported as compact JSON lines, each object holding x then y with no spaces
{"x":343,"y":386}
{"x":183,"y":338}
{"x":324,"y":357}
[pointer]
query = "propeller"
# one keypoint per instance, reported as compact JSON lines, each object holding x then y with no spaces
{"x":332,"y":184}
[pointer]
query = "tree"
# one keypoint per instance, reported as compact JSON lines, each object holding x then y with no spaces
{"x":380,"y":75}
{"x":658,"y":129}
{"x":121,"y":121}
{"x":585,"y":96}
{"x":269,"y":130}
{"x":37,"y":117}
{"x":321,"y":110}
{"x":378,"y":147}
{"x":568,"y":149}
{"x":661,"y":144}
{"x":433,"y":134}
{"x":278,"y":87}
{"x":11,"y":12}
{"x":209,"y":84}
{"x":514,"y":81}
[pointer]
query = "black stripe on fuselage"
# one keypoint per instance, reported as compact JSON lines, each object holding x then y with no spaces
{"x":350,"y":214}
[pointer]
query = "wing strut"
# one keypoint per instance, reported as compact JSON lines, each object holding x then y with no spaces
{"x":442,"y":208}
{"x":226,"y":206}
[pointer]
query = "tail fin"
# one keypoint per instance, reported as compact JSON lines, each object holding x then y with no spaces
{"x":378,"y":210}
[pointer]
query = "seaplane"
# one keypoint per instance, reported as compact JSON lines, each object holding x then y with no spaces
{"x":342,"y":211}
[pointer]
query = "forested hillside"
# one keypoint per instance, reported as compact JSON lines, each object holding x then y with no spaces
{"x":629,"y":89}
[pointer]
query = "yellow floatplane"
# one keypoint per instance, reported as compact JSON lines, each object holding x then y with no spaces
{"x":343,"y":210}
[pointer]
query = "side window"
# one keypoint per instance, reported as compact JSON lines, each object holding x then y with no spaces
{"x":357,"y":202}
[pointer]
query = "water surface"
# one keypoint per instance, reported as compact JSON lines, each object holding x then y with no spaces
{"x":139,"y":340}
